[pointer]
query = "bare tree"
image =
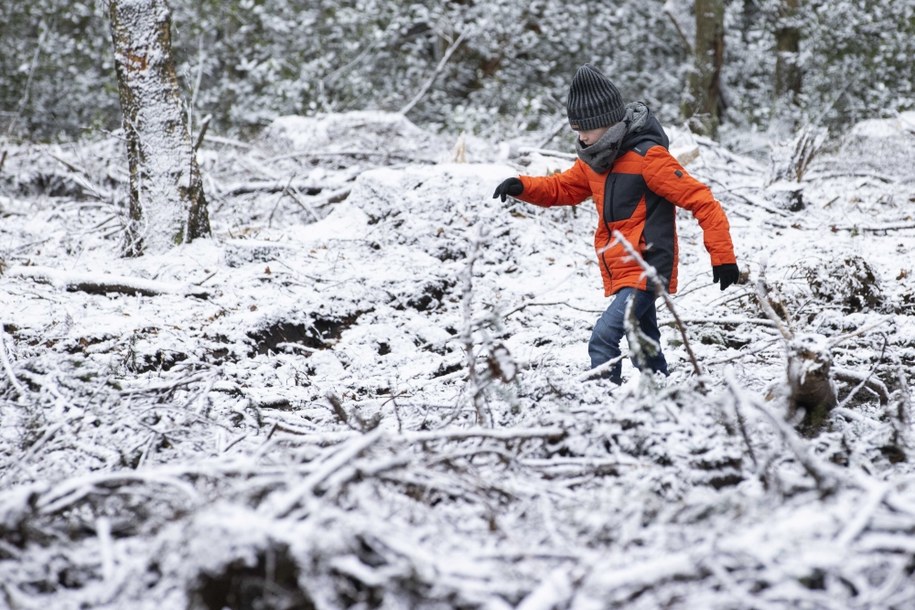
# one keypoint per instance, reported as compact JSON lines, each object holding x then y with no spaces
{"x":167,"y":203}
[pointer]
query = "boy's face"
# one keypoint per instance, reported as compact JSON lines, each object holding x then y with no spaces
{"x":590,"y":136}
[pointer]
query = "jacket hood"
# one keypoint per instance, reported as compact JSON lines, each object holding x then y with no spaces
{"x":639,"y":128}
{"x":643,"y":127}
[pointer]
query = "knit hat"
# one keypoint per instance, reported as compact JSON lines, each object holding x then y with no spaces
{"x":593,"y":100}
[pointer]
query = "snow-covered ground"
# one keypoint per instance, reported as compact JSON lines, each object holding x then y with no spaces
{"x":283,"y":416}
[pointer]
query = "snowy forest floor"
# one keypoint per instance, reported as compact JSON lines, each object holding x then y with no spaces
{"x":368,"y":390}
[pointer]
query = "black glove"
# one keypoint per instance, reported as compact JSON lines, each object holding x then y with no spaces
{"x":512,"y":187}
{"x":728,"y":274}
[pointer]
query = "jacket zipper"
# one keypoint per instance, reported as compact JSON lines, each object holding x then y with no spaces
{"x":611,"y":182}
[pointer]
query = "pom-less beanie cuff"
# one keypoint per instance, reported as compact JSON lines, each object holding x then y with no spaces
{"x":593,"y":100}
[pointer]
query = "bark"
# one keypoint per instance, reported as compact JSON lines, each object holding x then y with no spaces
{"x":788,"y":76}
{"x":705,"y":105}
{"x":167,"y":202}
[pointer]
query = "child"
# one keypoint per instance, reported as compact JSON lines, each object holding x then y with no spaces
{"x":624,"y":166}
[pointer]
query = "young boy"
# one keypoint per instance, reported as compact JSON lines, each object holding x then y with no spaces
{"x":624,"y":166}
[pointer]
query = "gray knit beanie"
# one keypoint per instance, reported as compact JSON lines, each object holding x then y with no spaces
{"x":593,"y":100}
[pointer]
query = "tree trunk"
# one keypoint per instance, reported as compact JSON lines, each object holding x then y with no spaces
{"x":705,"y":104}
{"x":167,"y":203}
{"x":788,"y":75}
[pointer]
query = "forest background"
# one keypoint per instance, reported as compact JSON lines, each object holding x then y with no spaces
{"x":783,"y":63}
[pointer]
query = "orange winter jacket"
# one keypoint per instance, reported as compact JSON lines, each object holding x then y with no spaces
{"x":637,"y":197}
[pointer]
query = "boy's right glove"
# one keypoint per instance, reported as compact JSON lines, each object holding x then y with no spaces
{"x":512,"y":187}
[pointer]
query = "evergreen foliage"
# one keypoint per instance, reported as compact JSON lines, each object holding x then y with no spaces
{"x":248,"y":61}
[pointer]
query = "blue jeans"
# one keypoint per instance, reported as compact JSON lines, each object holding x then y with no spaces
{"x":610,"y":328}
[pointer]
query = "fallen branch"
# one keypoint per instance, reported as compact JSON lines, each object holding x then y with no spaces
{"x":739,"y":401}
{"x":868,"y":381}
{"x":68,"y":493}
{"x":272,"y":186}
{"x":81,"y":178}
{"x":824,"y":475}
{"x":341,"y":459}
{"x":504,"y":434}
{"x":874,"y":229}
{"x":103,"y":283}
{"x":548,"y":152}
{"x":831,"y":176}
{"x":8,"y":367}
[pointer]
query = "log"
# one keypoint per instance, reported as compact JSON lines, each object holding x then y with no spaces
{"x":103,"y":283}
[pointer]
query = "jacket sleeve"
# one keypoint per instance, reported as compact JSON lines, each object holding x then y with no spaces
{"x":570,"y":187}
{"x":665,"y":176}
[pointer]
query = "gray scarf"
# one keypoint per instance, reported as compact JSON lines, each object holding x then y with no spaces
{"x":601,"y":155}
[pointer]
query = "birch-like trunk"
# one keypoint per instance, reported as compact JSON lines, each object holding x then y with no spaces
{"x":167,"y":203}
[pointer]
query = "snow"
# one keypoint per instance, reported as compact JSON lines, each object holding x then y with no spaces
{"x":288,"y":399}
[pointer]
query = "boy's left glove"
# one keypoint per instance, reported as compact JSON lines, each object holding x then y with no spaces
{"x":512,"y":187}
{"x":727,"y":274}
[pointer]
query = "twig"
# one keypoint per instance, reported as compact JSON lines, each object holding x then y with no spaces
{"x":271,"y":186}
{"x":739,"y":400}
{"x":874,"y":229}
{"x":278,"y":200}
{"x":343,"y":457}
{"x":438,"y":69}
{"x":8,"y":367}
{"x":523,"y":306}
{"x":561,"y":125}
{"x":466,"y":335}
{"x":823,"y":475}
{"x":864,"y":329}
{"x":683,"y":38}
{"x":162,"y":387}
{"x":863,"y":514}
{"x":600,"y":369}
{"x":549,"y":153}
{"x":728,"y":321}
{"x":880,"y":177}
{"x":863,"y":381}
{"x":904,"y":413}
{"x":504,"y":434}
{"x":654,"y":279}
{"x":63,"y":496}
{"x":80,"y":176}
{"x":26,"y":90}
{"x":762,"y":297}
{"x":204,"y":125}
